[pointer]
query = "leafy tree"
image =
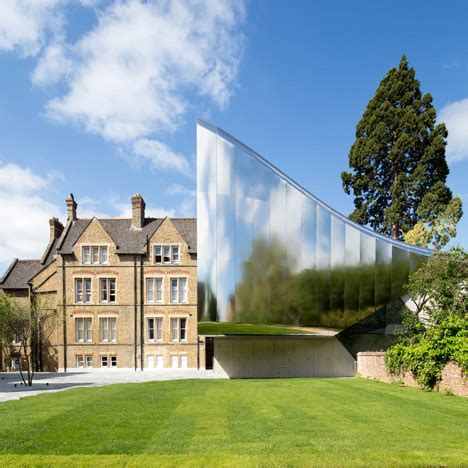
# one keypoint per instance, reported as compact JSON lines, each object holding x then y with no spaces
{"x":398,"y":166}
{"x":438,"y":290}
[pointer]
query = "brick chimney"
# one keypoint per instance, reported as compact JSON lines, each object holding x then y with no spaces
{"x":56,"y":228}
{"x":71,"y":208}
{"x":138,"y":211}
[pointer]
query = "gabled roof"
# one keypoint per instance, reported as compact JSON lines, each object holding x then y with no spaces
{"x":19,"y":273}
{"x":127,"y":239}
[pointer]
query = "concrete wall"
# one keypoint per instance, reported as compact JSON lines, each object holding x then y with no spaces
{"x":286,"y":356}
{"x":372,"y":365}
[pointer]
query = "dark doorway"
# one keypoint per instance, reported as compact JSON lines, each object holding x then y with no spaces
{"x":209,"y":352}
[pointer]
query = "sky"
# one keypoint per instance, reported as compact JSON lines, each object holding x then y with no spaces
{"x":100,"y":98}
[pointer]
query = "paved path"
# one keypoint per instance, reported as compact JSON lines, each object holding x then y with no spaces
{"x":45,"y":382}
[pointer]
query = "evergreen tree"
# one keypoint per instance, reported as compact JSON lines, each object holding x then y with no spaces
{"x":398,"y":166}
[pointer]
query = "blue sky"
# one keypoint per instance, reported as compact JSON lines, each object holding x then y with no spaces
{"x":100,"y":98}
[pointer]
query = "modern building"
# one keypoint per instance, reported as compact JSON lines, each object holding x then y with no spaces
{"x":301,"y":286}
{"x":114,"y":292}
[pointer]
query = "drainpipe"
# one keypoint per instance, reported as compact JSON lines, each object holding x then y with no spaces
{"x":135,"y":309}
{"x":142,"y":337}
{"x":64,"y":316}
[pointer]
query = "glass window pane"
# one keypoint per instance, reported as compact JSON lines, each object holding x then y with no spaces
{"x":183,"y":329}
{"x":175,"y":254}
{"x":87,"y":289}
{"x":159,"y":289}
{"x":167,"y":254}
{"x":86,"y":255}
{"x":174,"y":291}
{"x":159,"y":322}
{"x":150,"y":329}
{"x":112,"y":290}
{"x":149,"y":290}
{"x":174,"y":329}
{"x":157,"y":254}
{"x":103,"y":289}
{"x":88,"y":329}
{"x":95,"y":255}
{"x":103,"y":254}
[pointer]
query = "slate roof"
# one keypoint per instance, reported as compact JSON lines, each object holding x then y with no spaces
{"x":128,"y":240}
{"x":19,"y":273}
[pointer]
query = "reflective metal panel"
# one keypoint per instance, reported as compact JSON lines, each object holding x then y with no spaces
{"x":271,"y":253}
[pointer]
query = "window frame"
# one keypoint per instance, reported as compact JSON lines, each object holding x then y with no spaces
{"x":161,"y":249}
{"x":108,"y":330}
{"x":84,"y":329}
{"x":84,"y":290}
{"x":107,"y":281}
{"x":157,"y":319}
{"x":178,"y":329}
{"x":178,"y":290}
{"x":91,"y":249}
{"x":154,"y":281}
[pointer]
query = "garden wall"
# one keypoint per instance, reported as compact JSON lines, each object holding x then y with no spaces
{"x":372,"y":365}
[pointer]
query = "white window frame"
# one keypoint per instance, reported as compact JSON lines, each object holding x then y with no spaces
{"x":178,"y":290}
{"x":105,"y":333}
{"x":158,"y":330}
{"x":176,"y":332}
{"x":84,"y":290}
{"x":174,"y":254}
{"x":80,"y":357}
{"x":84,"y":329}
{"x":88,"y":359}
{"x":111,"y":358}
{"x":95,"y":255}
{"x":153,"y":281}
{"x":107,"y":281}
{"x":101,"y":358}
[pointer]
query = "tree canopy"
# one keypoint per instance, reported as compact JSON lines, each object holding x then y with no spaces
{"x":398,"y":169}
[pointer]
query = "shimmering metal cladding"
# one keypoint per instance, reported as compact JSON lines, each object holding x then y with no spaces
{"x":269,"y":252}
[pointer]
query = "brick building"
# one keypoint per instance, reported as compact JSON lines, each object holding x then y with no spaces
{"x":114,"y":292}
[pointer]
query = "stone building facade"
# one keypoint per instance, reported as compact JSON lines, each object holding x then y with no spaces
{"x":115,"y":292}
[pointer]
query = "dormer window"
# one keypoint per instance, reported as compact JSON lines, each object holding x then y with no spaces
{"x":95,"y":255}
{"x":166,"y":254}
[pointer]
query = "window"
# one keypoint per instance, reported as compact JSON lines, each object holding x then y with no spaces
{"x":154,"y":290}
{"x":178,"y":289}
{"x":89,"y":360}
{"x":178,"y":329}
{"x":107,"y":327}
{"x":113,"y":361}
{"x":83,"y":330}
{"x":83,"y":290}
{"x":104,"y":360}
{"x":79,"y":361}
{"x":155,"y":329}
{"x":166,"y":254}
{"x":107,"y":290}
{"x":95,"y":255}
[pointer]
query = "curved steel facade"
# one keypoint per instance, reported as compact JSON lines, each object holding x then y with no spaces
{"x":269,"y":252}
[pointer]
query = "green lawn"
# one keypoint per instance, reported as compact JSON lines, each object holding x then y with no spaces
{"x":222,"y":328}
{"x":293,"y":422}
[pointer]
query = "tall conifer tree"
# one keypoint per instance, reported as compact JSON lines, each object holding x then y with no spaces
{"x":398,"y":166}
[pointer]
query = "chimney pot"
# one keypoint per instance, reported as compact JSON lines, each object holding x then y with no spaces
{"x":71,"y":208}
{"x":138,"y":211}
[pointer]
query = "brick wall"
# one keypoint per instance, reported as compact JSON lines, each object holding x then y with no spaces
{"x":372,"y":365}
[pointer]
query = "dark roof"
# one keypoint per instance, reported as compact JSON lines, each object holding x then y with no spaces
{"x":19,"y":273}
{"x":126,"y":239}
{"x":49,"y":252}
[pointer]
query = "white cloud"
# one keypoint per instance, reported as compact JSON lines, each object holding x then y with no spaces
{"x":53,"y":65}
{"x":131,"y":72}
{"x":455,"y":117}
{"x":24,"y":227}
{"x":160,"y":156}
{"x":24,"y":24}
{"x":177,"y":189}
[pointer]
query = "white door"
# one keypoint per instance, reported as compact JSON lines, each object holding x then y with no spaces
{"x":150,"y":362}
{"x":174,"y":361}
{"x":183,"y":361}
{"x":159,"y":361}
